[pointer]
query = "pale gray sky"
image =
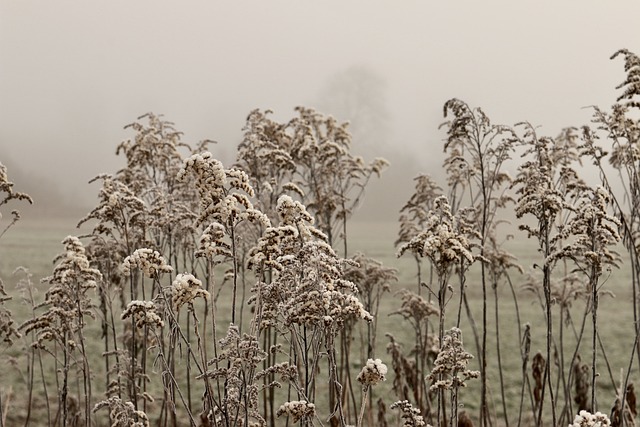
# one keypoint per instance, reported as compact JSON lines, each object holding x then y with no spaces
{"x":73,"y":73}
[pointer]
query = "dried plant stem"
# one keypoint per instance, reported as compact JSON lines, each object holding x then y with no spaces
{"x":442,"y":302}
{"x":167,"y":373}
{"x":462,"y":280}
{"x":333,"y":377}
{"x":623,"y":398}
{"x":498,"y":354}
{"x":525,"y":349}
{"x":235,"y":274}
{"x":65,"y":376}
{"x":562,"y":375}
{"x":345,"y":341}
{"x":484,"y":408}
{"x":115,"y":346}
{"x":133,"y":392}
{"x":86,"y":377}
{"x":31,"y":302}
{"x":579,"y":337}
{"x":549,"y":341}
{"x":453,"y":421}
{"x":594,"y":347}
{"x":474,"y":327}
{"x":203,"y":358}
{"x":365,"y":393}
{"x":212,"y":308}
{"x":606,"y":360}
{"x":189,"y":365}
{"x":31,"y":366}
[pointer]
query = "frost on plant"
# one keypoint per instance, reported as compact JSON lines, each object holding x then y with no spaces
{"x":411,"y":416}
{"x":144,"y":312}
{"x":237,"y":365}
{"x":67,"y":299}
{"x":450,"y":370}
{"x":8,"y":331}
{"x":587,"y":419}
{"x":372,"y":373}
{"x":444,"y":239}
{"x":594,"y":232}
{"x":7,"y":192}
{"x":297,"y":409}
{"x":122,"y":414}
{"x":150,"y":262}
{"x":185,"y":289}
{"x":310,"y":281}
{"x":223,"y":193}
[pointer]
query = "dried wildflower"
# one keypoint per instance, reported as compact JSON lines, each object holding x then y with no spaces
{"x":122,"y":414}
{"x":331,"y":177}
{"x":219,"y":191}
{"x":406,"y":379}
{"x":564,"y":291}
{"x":415,"y":307}
{"x":624,"y":414}
{"x":594,"y":231}
{"x":264,"y":155}
{"x":547,"y":183}
{"x":8,"y":330}
{"x":415,"y":213}
{"x":373,"y":280}
{"x":294,"y":213}
{"x":6,"y":187}
{"x":144,"y":313}
{"x":120,"y":210}
{"x":587,"y":419}
{"x":279,"y":245}
{"x":63,"y":322}
{"x":631,"y":84}
{"x":582,"y":381}
{"x":150,"y":262}
{"x":538,"y":197}
{"x":443,"y":240}
{"x":67,"y":296}
{"x":185,"y":289}
{"x":410,"y":415}
{"x":450,"y":370}
{"x":273,"y":248}
{"x":476,"y":151}
{"x":298,"y":409}
{"x":212,"y":243}
{"x":127,"y":375}
{"x":241,"y":356}
{"x":372,"y":373}
{"x":152,"y":156}
{"x":537,"y":370}
{"x":320,"y":295}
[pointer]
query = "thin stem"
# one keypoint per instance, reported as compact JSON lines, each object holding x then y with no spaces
{"x":502,"y":393}
{"x":365,"y":392}
{"x":594,"y":348}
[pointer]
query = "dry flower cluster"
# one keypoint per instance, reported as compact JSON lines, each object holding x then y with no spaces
{"x":271,"y":313}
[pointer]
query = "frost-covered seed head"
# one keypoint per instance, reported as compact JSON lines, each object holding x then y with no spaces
{"x":150,"y":262}
{"x":372,"y":373}
{"x":298,"y":409}
{"x":185,"y":289}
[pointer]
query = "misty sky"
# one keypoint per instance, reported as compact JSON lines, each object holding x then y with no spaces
{"x":73,"y":73}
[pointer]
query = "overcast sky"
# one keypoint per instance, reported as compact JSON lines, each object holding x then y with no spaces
{"x":73,"y":73}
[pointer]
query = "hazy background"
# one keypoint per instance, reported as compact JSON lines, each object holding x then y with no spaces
{"x":73,"y":73}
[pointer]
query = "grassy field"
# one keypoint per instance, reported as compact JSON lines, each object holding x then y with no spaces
{"x":34,"y":244}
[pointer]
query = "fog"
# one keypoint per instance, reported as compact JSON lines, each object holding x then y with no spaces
{"x":73,"y":73}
